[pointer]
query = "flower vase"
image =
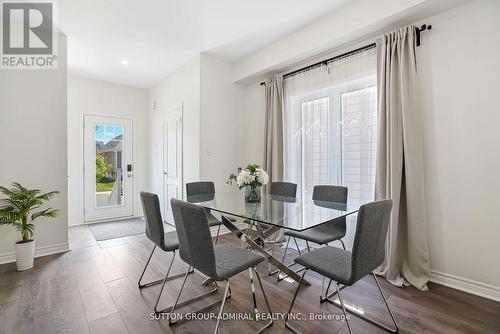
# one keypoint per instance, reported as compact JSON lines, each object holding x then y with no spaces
{"x":252,"y":195}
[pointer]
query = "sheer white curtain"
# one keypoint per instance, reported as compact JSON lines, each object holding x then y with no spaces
{"x":330,"y":126}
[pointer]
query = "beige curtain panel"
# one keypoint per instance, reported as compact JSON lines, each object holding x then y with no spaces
{"x":273,"y":150}
{"x":399,"y":172}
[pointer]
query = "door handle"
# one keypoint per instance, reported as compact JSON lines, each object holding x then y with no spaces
{"x":164,"y":173}
{"x":130,"y":175}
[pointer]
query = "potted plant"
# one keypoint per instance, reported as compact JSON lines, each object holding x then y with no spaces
{"x":252,"y":178}
{"x":16,"y":209}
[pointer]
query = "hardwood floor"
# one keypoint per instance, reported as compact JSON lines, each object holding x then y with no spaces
{"x":93,"y":289}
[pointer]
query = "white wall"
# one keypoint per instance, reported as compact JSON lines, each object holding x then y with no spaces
{"x":254,"y":115}
{"x":213,"y":140}
{"x":458,"y":86}
{"x":33,"y":132}
{"x":95,"y":97}
{"x":459,"y":71}
{"x":222,"y":138}
{"x":182,"y":86}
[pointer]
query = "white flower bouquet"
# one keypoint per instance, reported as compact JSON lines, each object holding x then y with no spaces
{"x":251,"y":178}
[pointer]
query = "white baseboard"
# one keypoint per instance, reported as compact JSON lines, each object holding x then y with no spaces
{"x":39,"y":251}
{"x":467,"y":285}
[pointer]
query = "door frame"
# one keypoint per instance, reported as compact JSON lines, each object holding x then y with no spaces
{"x":179,"y":109}
{"x":132,"y":120}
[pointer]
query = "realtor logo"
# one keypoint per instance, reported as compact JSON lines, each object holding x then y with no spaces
{"x":28,"y":35}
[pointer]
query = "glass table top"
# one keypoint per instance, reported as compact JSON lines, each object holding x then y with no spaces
{"x":284,"y":212}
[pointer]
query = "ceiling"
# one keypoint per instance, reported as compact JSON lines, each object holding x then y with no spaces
{"x":157,"y":36}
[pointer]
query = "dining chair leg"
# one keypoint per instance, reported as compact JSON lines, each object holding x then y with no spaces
{"x":327,"y":296}
{"x":324,"y":294}
{"x":144,"y":271}
{"x":193,"y":299}
{"x":252,"y":285}
{"x":222,"y":307}
{"x":344,"y":310}
{"x":217,"y":237}
{"x":283,"y":260}
{"x":178,"y":296}
{"x":297,"y":245}
{"x":147,"y":285}
{"x":280,"y":278}
{"x":270,"y":312}
{"x":386,"y":304}
{"x":287,"y":320}
{"x":339,"y":303}
{"x":164,"y":282}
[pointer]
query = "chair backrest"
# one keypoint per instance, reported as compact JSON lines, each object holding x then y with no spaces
{"x":328,"y":193}
{"x":200,"y":188}
{"x":368,"y":250}
{"x":152,"y":216}
{"x":195,"y":242}
{"x":286,"y":189}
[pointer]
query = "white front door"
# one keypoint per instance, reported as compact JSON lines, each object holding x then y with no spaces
{"x":172,"y":159}
{"x":108,"y":168}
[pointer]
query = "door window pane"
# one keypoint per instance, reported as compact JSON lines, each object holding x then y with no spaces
{"x":108,"y":165}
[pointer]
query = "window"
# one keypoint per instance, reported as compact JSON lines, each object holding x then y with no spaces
{"x":359,"y":142}
{"x":316,"y":164}
{"x":330,"y":123}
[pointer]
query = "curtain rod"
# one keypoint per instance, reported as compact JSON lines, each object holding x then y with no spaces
{"x":329,"y":60}
{"x":420,"y":29}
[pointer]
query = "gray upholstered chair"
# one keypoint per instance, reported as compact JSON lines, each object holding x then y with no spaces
{"x":220,"y":262}
{"x":345,"y":267}
{"x":167,"y":242}
{"x":205,"y":188}
{"x":286,"y":189}
{"x":326,"y":233}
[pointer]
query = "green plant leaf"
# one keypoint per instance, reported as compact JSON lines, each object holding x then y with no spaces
{"x":17,"y":204}
{"x":52,"y":213}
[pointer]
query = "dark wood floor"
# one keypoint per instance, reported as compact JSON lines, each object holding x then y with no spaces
{"x":93,"y":289}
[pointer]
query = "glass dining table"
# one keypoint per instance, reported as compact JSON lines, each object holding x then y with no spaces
{"x":270,"y":215}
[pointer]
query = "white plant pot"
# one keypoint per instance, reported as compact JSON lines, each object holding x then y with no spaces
{"x":25,"y":252}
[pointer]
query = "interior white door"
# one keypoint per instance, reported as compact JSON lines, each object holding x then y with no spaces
{"x":108,"y":168}
{"x":172,"y":159}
